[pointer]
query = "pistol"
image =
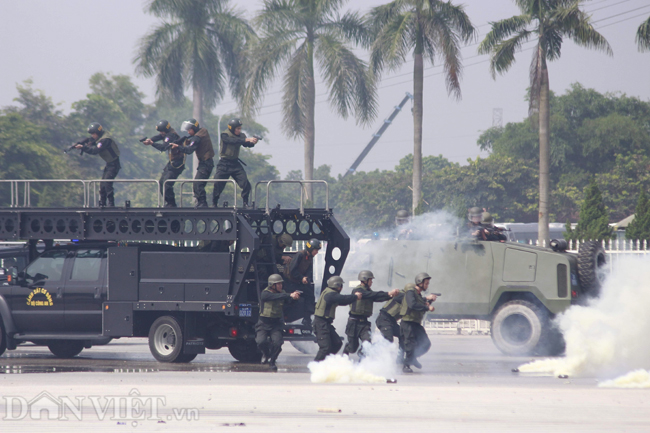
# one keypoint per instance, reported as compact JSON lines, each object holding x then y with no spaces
{"x":259,"y":137}
{"x":142,"y":140}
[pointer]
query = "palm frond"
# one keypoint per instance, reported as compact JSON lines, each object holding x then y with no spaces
{"x":153,"y":46}
{"x":379,"y":16}
{"x":294,"y":102}
{"x":172,"y":74}
{"x":501,"y":30}
{"x":393,"y":43}
{"x":440,"y":39}
{"x":351,"y":88}
{"x":643,"y":36}
{"x":503,"y":54}
{"x":277,"y":15}
{"x":207,"y":71}
{"x":455,"y":18}
{"x":351,"y":27}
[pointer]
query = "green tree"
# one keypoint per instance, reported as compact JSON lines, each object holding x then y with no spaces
{"x":429,"y":29}
{"x":593,"y":223}
{"x":639,"y":228}
{"x":199,"y":45}
{"x":548,"y":23}
{"x":643,"y":36}
{"x":295,"y":35}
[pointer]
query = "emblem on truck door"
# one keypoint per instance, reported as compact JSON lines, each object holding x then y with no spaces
{"x":39,"y":293}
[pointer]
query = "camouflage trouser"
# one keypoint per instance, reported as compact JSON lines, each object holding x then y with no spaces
{"x":203,"y":172}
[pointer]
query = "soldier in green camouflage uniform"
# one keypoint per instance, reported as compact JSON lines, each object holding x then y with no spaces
{"x":414,"y":307}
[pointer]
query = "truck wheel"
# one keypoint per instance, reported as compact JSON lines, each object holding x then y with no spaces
{"x":186,"y":357}
{"x":245,"y":351}
{"x":66,"y":348}
{"x":591,"y":266}
{"x":306,"y":347}
{"x":166,"y":339}
{"x":3,"y":338}
{"x":517,"y":327}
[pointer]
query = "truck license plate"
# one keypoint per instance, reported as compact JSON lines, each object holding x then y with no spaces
{"x":245,"y":310}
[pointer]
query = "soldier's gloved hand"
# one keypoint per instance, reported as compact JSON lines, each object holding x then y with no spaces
{"x":295,"y":295}
{"x":393,"y":293}
{"x":359,"y":295}
{"x":432,"y":298}
{"x":148,"y":142}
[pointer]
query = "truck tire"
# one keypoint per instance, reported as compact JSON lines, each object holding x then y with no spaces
{"x":518,"y":327}
{"x":245,"y":351}
{"x":66,"y":348}
{"x":591,"y":263}
{"x":186,"y":357}
{"x":3,"y":338}
{"x":166,"y":339}
{"x":306,"y":347}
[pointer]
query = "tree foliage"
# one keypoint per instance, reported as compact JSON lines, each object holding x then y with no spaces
{"x":593,"y":223}
{"x":639,"y":228}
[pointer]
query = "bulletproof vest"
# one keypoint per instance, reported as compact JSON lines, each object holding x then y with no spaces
{"x":302,"y":268}
{"x":175,"y":153}
{"x":409,"y":315}
{"x":205,"y":150}
{"x":108,"y":149}
{"x":361,"y":307}
{"x":393,"y":307}
{"x":272,"y":309}
{"x":231,"y":151}
{"x":321,"y":304}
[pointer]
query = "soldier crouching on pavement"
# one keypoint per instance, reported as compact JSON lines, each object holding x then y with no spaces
{"x":358,"y":327}
{"x":107,"y":149}
{"x":389,"y":315}
{"x":328,"y":340}
{"x":271,"y":323}
{"x":414,"y":307}
{"x":176,"y":163}
{"x":300,"y":272}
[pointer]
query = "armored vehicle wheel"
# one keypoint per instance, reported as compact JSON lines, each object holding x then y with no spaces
{"x":166,"y":339}
{"x":186,"y":357}
{"x":518,"y":327}
{"x":3,"y":338}
{"x":591,"y":264}
{"x":66,"y":348}
{"x":245,"y":351}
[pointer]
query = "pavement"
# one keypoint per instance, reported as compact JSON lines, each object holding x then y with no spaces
{"x":465,"y":385}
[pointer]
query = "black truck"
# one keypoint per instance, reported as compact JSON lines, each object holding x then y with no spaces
{"x":137,"y":272}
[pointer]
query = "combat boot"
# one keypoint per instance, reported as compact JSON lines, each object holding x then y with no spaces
{"x":416,"y":363}
{"x":111,"y":202}
{"x":202,"y":204}
{"x":272,"y":365}
{"x":406,"y":369}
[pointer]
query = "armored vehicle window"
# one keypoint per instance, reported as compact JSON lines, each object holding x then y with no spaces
{"x":13,"y":262}
{"x":87,"y":265}
{"x":49,"y":266}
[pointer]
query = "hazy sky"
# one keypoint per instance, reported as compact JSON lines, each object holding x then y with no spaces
{"x":61,"y":43}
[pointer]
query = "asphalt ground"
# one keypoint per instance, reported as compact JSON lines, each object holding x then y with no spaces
{"x":465,"y":384}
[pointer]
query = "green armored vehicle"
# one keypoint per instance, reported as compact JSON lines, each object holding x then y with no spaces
{"x":519,"y":288}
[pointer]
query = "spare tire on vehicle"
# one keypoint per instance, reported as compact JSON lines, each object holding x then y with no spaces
{"x":591,"y":266}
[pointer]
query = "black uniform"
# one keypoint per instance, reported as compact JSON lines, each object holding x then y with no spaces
{"x":328,"y":340}
{"x":358,"y":327}
{"x":106,"y":148}
{"x":268,"y":258}
{"x":416,"y":340}
{"x":200,"y":143}
{"x":230,"y":165}
{"x":386,"y":322}
{"x":302,"y":265}
{"x":174,"y":167}
{"x":269,"y":327}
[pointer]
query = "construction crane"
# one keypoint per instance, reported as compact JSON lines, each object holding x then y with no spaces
{"x":377,"y":135}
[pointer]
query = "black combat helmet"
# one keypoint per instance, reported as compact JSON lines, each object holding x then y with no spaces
{"x":234,"y":124}
{"x":163,"y":126}
{"x":313,"y":244}
{"x":190,"y":124}
{"x":96,"y":128}
{"x":364,"y":276}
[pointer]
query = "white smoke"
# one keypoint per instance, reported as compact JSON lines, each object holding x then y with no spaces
{"x":378,"y":364}
{"x":609,"y":336}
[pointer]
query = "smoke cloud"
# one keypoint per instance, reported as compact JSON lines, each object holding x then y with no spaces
{"x":609,"y":336}
{"x":378,"y":365}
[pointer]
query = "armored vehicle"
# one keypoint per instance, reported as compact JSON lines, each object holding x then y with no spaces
{"x":519,"y":288}
{"x":188,"y":279}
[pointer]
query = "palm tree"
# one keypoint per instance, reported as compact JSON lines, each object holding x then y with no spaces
{"x":643,"y":36}
{"x":296,"y":34}
{"x":429,"y":29}
{"x":547,"y":22}
{"x":199,"y":44}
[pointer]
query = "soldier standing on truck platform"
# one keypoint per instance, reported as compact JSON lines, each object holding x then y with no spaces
{"x":300,"y":273}
{"x":278,"y":260}
{"x":358,"y":327}
{"x":199,"y":141}
{"x":229,"y":165}
{"x":389,"y":315}
{"x":414,"y":307}
{"x":329,"y":342}
{"x":107,"y":149}
{"x":176,"y":163}
{"x":270,"y":325}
